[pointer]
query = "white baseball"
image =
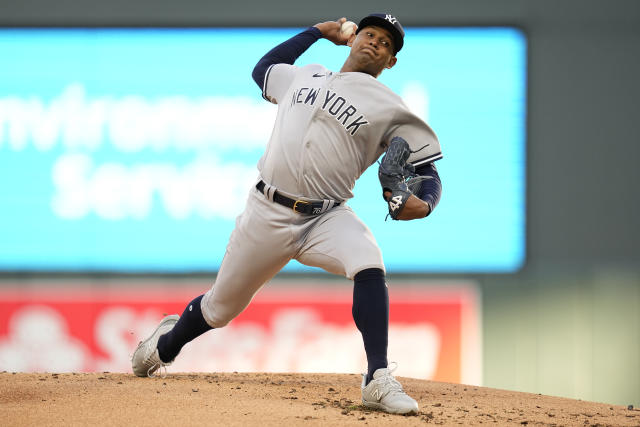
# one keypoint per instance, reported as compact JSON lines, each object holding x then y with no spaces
{"x":348,"y":28}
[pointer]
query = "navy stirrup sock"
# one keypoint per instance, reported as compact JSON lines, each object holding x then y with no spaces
{"x":190,"y":326}
{"x":371,"y":314}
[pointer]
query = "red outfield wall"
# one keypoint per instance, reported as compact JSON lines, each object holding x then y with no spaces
{"x":434,"y":330}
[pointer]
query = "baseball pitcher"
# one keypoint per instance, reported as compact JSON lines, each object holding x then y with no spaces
{"x":330,"y":127}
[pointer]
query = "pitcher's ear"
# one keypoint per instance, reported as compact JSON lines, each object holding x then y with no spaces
{"x":351,"y":39}
{"x":392,"y":61}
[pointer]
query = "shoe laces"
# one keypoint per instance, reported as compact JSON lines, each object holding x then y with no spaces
{"x":389,"y":381}
{"x":156,"y":365}
{"x":162,"y":368}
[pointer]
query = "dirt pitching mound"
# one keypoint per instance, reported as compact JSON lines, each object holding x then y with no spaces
{"x":246,"y":399}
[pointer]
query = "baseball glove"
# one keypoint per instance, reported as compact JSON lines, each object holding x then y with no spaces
{"x":393,"y":173}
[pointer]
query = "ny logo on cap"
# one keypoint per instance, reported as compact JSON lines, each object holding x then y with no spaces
{"x":391,"y":19}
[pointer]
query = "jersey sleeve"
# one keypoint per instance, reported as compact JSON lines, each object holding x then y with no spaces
{"x":423,"y":142}
{"x":286,"y":52}
{"x":277,"y":80}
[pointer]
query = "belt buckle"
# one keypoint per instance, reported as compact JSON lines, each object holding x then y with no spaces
{"x":303,"y":202}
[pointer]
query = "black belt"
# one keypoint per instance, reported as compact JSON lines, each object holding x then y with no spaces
{"x":300,"y":206}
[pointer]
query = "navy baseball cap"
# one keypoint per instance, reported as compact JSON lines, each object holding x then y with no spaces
{"x":388,"y":22}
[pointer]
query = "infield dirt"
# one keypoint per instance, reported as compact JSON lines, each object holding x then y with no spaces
{"x":264,"y":399}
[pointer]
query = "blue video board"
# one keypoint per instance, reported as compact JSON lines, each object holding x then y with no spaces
{"x":133,"y":150}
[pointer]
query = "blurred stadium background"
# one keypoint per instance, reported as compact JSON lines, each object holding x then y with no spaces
{"x":532,"y":286}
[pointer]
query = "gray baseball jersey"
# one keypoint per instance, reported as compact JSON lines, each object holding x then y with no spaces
{"x":329,"y":129}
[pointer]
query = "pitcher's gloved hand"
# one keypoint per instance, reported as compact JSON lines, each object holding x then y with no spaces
{"x":393,"y":172}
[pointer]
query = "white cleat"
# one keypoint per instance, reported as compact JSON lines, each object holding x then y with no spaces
{"x":384,"y":392}
{"x":145,"y":360}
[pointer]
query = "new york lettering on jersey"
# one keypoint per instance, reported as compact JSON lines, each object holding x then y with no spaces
{"x":337,"y":106}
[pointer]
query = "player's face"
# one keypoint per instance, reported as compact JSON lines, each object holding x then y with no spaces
{"x":372,"y":50}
